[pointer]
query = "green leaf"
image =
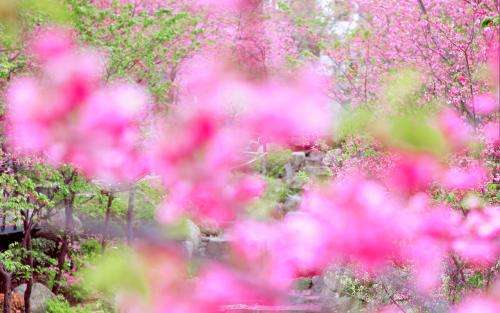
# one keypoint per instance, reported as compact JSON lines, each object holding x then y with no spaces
{"x":118,"y":269}
{"x":491,"y":21}
{"x":415,"y":133}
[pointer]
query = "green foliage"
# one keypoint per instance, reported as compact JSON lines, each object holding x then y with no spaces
{"x":149,"y":195}
{"x":276,"y":192}
{"x":354,"y":121}
{"x":118,"y":269}
{"x":19,"y":15}
{"x":399,"y":119}
{"x":275,"y":162}
{"x":91,"y":247}
{"x":402,"y":89}
{"x":91,"y":201}
{"x":302,"y":178}
{"x":98,"y":306}
{"x":11,"y":59}
{"x":283,"y":6}
{"x":492,"y":193}
{"x":12,"y":264}
{"x":476,"y":280}
{"x":30,"y":189}
{"x":52,"y":10}
{"x":58,"y":305}
{"x":43,"y":263}
{"x":361,"y":291}
{"x":139,"y":44}
{"x":77,"y":292}
{"x":303,"y":283}
{"x":61,"y":305}
{"x":416,"y":133}
{"x":493,"y":21}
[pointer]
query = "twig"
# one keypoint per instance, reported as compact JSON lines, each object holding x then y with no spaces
{"x":391,"y":297}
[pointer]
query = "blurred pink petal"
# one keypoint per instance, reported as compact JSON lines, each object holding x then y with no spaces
{"x":473,"y":176}
{"x":485,"y":104}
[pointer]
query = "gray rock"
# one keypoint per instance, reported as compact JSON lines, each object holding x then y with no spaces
{"x":291,"y":203}
{"x":289,"y":172}
{"x":193,"y":240}
{"x":317,"y":171}
{"x":58,"y":220}
{"x":318,"y":284}
{"x":214,"y":248}
{"x":298,"y":160}
{"x":315,"y":157}
{"x":333,"y":296}
{"x":40,"y":294}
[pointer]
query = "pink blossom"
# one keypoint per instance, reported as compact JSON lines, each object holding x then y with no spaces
{"x":440,"y":224}
{"x":218,"y":286}
{"x":310,"y":253}
{"x":286,"y":111}
{"x":25,"y":113}
{"x":479,"y":241}
{"x":201,"y":144}
{"x":356,"y":212}
{"x":454,"y":128}
{"x":427,"y":258}
{"x":473,"y":176}
{"x":196,"y":153}
{"x":389,"y":309}
{"x":485,"y":104}
{"x":109,"y":125}
{"x":438,"y":228}
{"x":478,"y":303}
{"x":51,"y":43}
{"x":491,"y":132}
{"x":493,"y":61}
{"x":400,"y":37}
{"x":274,"y":110}
{"x":223,"y":4}
{"x":71,"y":117}
{"x":413,"y":173}
{"x":262,"y":244}
{"x":213,"y":288}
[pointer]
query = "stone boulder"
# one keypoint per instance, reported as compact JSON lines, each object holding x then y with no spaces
{"x":40,"y":294}
{"x":298,"y":160}
{"x":193,"y":238}
{"x":292,"y":203}
{"x":58,"y":220}
{"x":214,"y":248}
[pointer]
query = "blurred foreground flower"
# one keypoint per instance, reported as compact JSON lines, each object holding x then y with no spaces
{"x":70,"y":116}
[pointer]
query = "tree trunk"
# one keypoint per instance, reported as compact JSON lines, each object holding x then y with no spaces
{"x":130,"y":214}
{"x":68,"y":233}
{"x":29,"y":260}
{"x":107,"y":217}
{"x":7,"y":288}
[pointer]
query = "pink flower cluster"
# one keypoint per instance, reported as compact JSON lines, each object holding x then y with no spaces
{"x":196,"y":155}
{"x":200,"y":148}
{"x":344,"y":222}
{"x":360,"y":222}
{"x":215,"y":287}
{"x":68,"y":114}
{"x":441,"y":38}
